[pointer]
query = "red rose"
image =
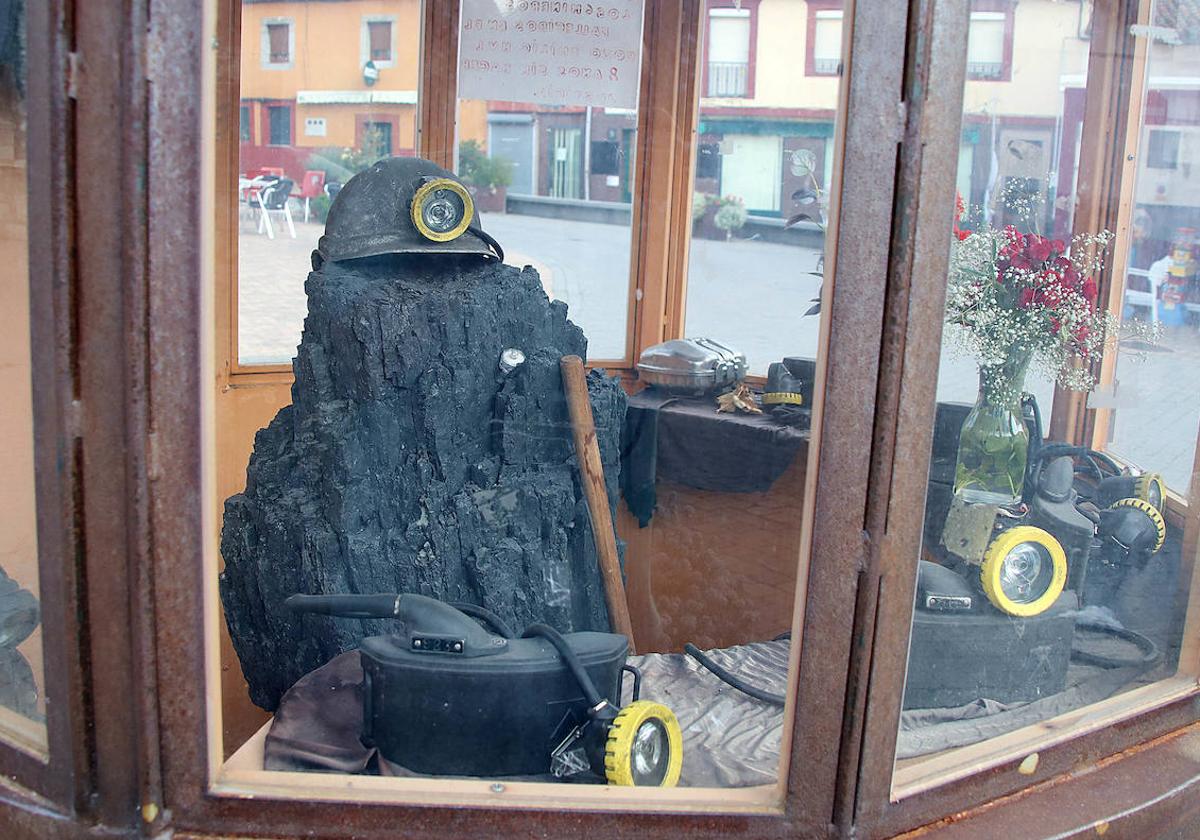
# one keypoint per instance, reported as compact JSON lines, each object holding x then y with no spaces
{"x":1014,"y":242}
{"x":960,"y":233}
{"x":1039,"y":248}
{"x":1089,"y":290}
{"x":1082,"y":332}
{"x":1026,"y":298}
{"x":1058,"y":246}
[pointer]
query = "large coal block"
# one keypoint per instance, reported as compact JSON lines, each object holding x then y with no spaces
{"x":409,"y":462}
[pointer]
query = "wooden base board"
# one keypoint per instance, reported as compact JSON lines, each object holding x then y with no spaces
{"x":242,"y":776}
{"x":918,"y":775}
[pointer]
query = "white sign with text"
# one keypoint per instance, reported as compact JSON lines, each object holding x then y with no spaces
{"x":551,"y":52}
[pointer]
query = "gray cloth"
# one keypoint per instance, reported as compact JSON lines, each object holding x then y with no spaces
{"x":924,"y":731}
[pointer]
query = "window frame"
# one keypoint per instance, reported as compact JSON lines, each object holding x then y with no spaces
{"x":54,"y":769}
{"x":121,"y":474}
{"x":1007,"y":8}
{"x":979,"y":774}
{"x":93,"y":441}
{"x":265,"y":60}
{"x":1159,"y":162}
{"x":815,"y":9}
{"x":365,"y":41}
{"x":184,"y":560}
{"x":868,"y":515}
{"x":751,"y":9}
{"x":245,"y":123}
{"x":267,"y":109}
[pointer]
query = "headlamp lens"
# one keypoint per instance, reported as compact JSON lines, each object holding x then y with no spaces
{"x":442,"y":211}
{"x":651,"y":752}
{"x":1154,"y":494}
{"x":1026,"y":572}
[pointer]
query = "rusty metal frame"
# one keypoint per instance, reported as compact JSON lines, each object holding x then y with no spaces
{"x":904,"y":422}
{"x":63,"y":776}
{"x":123,"y":493}
{"x":872,"y":121}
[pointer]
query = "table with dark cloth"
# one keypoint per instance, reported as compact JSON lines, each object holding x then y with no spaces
{"x":687,"y":441}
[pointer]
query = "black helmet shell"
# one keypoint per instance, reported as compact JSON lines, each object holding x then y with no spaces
{"x":375,"y":214}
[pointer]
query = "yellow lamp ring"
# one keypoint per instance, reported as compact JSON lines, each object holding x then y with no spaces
{"x":622,"y":733}
{"x":993,"y":565}
{"x":422,"y":195}
{"x":1146,"y":483}
{"x":1160,"y":525}
{"x":782,"y":398}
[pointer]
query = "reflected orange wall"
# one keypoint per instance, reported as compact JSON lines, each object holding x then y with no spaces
{"x":18,"y":524}
{"x":472,"y":121}
{"x":241,"y":412}
{"x":328,"y":53}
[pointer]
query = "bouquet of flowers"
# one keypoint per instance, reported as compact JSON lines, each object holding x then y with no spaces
{"x":1021,"y":298}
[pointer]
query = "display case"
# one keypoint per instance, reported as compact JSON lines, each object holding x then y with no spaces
{"x":339,"y":350}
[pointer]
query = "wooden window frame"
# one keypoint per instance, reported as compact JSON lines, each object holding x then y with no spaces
{"x":185,"y":560}
{"x":883,"y":802}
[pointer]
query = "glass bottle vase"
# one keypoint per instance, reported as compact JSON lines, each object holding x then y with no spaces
{"x":993,"y":446}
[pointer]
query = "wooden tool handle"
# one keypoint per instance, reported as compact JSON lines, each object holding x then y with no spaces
{"x":591,"y":472}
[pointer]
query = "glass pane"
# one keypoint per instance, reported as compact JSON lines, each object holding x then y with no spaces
{"x":326,"y":90}
{"x":22,"y":703}
{"x":1156,"y":420}
{"x":553,"y":176}
{"x":1050,"y":576}
{"x":435,"y":453}
{"x":764,"y":157}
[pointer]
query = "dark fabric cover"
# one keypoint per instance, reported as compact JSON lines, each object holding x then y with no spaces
{"x":687,"y":441}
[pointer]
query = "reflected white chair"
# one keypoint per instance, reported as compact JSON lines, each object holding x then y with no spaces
{"x":1155,"y":275}
{"x":274,"y":198}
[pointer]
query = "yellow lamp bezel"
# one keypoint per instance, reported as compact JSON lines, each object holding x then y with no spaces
{"x":782,"y":398}
{"x":1141,"y":487}
{"x":1160,"y":524}
{"x":618,"y":751}
{"x":993,"y":562}
{"x":418,"y":201}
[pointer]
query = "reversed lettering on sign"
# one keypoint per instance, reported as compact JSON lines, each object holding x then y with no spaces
{"x":551,"y":53}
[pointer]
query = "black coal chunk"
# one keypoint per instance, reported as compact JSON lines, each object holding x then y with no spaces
{"x":409,"y":462}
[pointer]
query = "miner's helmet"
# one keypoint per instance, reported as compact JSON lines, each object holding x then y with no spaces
{"x":403,"y":205}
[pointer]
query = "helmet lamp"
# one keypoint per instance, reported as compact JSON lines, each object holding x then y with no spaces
{"x":442,"y":209}
{"x":1024,"y":571}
